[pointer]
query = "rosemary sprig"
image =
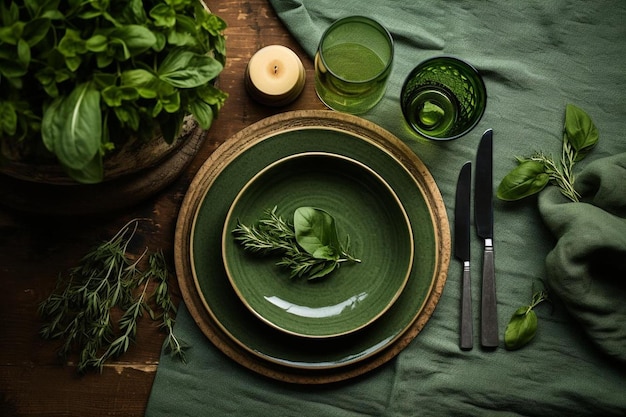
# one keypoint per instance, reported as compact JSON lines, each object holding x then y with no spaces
{"x":275,"y":235}
{"x":108,"y":282}
{"x":272,"y":234}
{"x":561,"y":174}
{"x":532,"y":174}
{"x":172,"y":344}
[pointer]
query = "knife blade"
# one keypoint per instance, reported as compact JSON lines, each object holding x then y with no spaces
{"x":483,"y":216}
{"x":462,"y":251}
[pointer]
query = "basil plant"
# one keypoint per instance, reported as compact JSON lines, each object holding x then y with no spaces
{"x":80,"y":78}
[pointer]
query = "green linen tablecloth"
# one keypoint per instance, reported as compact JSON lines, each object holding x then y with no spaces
{"x":536,"y":56}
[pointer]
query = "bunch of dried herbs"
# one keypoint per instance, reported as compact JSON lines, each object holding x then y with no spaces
{"x":107,"y":283}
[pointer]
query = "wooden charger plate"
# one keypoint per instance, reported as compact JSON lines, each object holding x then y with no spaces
{"x":333,"y":359}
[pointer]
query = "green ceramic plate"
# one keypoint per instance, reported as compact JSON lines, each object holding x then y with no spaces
{"x":231,"y":168}
{"x":364,"y":207}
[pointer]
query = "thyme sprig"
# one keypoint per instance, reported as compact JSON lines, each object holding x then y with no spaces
{"x":275,"y":235}
{"x":108,"y":282}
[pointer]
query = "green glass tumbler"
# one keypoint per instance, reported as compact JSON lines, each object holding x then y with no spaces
{"x":443,"y":98}
{"x":352,"y":64}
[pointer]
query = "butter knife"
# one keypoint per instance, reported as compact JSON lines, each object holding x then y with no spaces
{"x":483,"y":216}
{"x":462,"y":251}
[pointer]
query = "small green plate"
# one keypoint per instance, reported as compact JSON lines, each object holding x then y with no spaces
{"x":364,"y":207}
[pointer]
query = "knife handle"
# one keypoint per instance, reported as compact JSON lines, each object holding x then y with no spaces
{"x":489,"y":313}
{"x":467,"y":331}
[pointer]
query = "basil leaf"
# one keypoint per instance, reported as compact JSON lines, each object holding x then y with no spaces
{"x":23,"y":53}
{"x":160,"y":43}
{"x":326,"y":252}
{"x":12,"y":34}
{"x":164,"y":15}
{"x":113,"y":95}
{"x":213,"y":24}
{"x":72,"y":44}
{"x":11,"y":68}
{"x":185,"y":32}
{"x":325,"y":269}
{"x":8,"y":118}
{"x":144,"y":81}
{"x":80,"y":139}
{"x":202,"y":112}
{"x":528,"y":178}
{"x":171,"y":103}
{"x":580,"y":131}
{"x":316,"y":233}
{"x":137,"y":38}
{"x":181,"y":39}
{"x":120,"y":50}
{"x":104,"y":59}
{"x":36,"y":30}
{"x":102,"y":80}
{"x":170,"y":125}
{"x":91,"y":173}
{"x":97,"y":43}
{"x":137,"y":77}
{"x":185,"y":69}
{"x":521,"y":328}
{"x":52,"y":124}
{"x":11,"y":15}
{"x":32,"y":6}
{"x":128,"y":116}
{"x":212,"y":95}
{"x":134,"y":12}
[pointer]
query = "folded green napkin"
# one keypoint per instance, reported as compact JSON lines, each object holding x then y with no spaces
{"x":587,"y":267}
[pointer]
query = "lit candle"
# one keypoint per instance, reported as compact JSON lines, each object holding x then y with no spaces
{"x":275,"y":76}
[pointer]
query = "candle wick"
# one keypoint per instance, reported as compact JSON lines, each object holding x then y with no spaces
{"x":275,"y":69}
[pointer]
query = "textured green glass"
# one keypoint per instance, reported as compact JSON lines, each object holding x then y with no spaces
{"x":443,"y":98}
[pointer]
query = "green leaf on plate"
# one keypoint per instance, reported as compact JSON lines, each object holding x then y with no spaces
{"x":316,"y":233}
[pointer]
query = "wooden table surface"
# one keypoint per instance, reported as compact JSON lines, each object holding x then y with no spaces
{"x":35,"y":249}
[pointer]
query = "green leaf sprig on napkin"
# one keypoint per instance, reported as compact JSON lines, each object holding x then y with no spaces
{"x":531,"y":176}
{"x":522,"y":326}
{"x":310,"y":245}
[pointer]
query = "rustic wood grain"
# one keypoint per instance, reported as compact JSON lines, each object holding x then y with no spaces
{"x":35,"y":248}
